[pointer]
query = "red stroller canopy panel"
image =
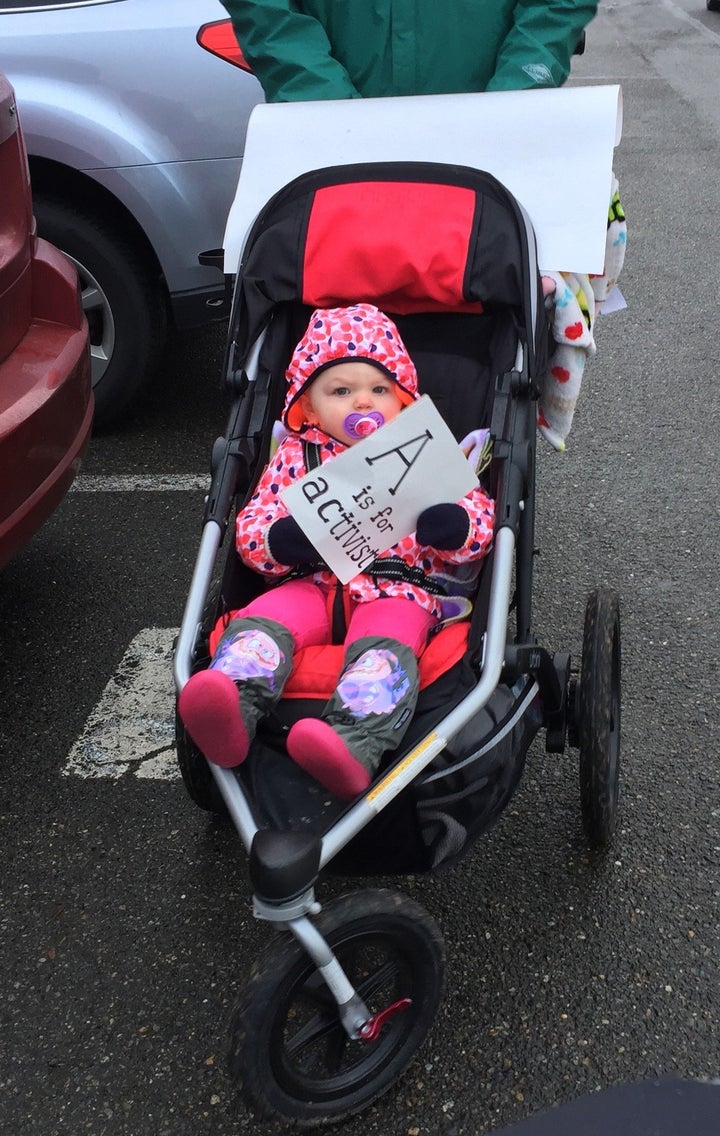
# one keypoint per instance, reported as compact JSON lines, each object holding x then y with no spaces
{"x":414,"y":238}
{"x":403,"y":246}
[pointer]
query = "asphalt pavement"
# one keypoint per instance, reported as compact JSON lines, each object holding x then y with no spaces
{"x":126,"y":928}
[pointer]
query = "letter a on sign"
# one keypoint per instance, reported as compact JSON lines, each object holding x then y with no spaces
{"x":414,"y":447}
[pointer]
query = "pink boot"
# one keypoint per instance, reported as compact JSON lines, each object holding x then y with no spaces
{"x":209,"y":706}
{"x":316,"y":748}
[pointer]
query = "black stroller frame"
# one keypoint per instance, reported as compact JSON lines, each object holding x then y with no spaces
{"x":511,"y":686}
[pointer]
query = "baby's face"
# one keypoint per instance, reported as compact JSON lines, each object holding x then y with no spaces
{"x":347,"y":388}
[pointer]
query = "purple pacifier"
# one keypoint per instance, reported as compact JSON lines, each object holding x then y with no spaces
{"x":360,"y":425}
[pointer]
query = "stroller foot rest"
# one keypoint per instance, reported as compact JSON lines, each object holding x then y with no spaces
{"x":283,"y":865}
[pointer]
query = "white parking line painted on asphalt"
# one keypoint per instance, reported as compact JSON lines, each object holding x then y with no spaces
{"x":132,"y":728}
{"x":144,"y":483}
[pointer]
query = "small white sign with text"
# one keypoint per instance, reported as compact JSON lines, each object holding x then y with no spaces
{"x":358,"y":505}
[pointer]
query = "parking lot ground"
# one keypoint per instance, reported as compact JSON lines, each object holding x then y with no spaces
{"x":126,"y":925}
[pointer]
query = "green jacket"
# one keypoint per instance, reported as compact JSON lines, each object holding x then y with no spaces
{"x":340,"y":49}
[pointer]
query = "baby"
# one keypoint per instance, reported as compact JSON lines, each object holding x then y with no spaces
{"x":349,"y":375}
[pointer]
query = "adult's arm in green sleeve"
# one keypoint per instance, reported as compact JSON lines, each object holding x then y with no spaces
{"x":288,"y":51}
{"x":538,"y":49}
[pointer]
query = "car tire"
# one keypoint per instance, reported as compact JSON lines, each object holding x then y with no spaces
{"x":122,"y":297}
{"x":713,"y":5}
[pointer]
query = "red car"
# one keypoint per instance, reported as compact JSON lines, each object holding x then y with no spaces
{"x":46,"y":402}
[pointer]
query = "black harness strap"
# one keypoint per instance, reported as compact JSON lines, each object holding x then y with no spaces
{"x":311,"y":455}
{"x":394,"y":568}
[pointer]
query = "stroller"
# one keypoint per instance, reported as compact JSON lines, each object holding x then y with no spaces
{"x":339,"y":1003}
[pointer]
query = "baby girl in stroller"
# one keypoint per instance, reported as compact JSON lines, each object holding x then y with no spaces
{"x":349,"y":374}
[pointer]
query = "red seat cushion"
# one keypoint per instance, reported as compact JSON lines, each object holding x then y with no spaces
{"x":317,"y":669}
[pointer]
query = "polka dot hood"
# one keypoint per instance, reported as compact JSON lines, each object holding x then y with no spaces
{"x":335,"y":335}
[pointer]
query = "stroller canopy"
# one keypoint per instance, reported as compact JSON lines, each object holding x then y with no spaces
{"x":410,"y":237}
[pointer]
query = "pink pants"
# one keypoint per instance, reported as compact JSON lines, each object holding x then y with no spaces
{"x":301,"y":606}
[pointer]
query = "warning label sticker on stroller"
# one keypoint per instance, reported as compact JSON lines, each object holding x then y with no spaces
{"x":368,"y":498}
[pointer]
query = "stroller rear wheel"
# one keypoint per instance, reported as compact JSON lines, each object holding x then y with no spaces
{"x":289,"y":1053}
{"x":196,"y":774}
{"x":598,"y":727}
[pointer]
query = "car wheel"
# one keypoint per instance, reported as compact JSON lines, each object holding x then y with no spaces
{"x":122,"y":298}
{"x":713,"y":5}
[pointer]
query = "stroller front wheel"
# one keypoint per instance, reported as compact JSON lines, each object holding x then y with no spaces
{"x":598,"y":726}
{"x":289,"y":1052}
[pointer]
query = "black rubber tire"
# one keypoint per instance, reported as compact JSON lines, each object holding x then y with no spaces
{"x":122,"y":296}
{"x":713,"y":5}
{"x":598,"y":726}
{"x":197,"y":776}
{"x":201,"y":786}
{"x":289,"y":1054}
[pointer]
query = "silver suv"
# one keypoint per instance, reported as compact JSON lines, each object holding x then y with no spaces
{"x":134,"y":114}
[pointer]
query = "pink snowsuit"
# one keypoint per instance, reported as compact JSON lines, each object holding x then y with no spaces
{"x":369,"y":335}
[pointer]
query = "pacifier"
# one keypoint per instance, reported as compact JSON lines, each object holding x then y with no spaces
{"x":360,"y":425}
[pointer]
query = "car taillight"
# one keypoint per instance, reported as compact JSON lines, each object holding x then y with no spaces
{"x":219,"y":39}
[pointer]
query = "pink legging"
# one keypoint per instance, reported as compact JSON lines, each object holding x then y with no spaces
{"x":301,"y":606}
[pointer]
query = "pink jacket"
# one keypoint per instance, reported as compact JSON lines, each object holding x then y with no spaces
{"x":328,"y":340}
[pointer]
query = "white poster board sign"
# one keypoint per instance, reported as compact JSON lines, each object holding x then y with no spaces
{"x":552,"y":148}
{"x":358,"y":505}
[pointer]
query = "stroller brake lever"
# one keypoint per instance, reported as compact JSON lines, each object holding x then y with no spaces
{"x":371,"y":1029}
